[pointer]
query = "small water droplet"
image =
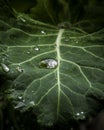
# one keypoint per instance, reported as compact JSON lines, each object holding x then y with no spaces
{"x":66,"y":40}
{"x":43,"y":32}
{"x":32,"y":103}
{"x":21,"y":18}
{"x":19,"y":69}
{"x":36,"y":48}
{"x":23,"y":100}
{"x":82,"y":112}
{"x":49,"y":124}
{"x":39,"y":121}
{"x":20,"y":104}
{"x":28,"y":52}
{"x":76,"y":41}
{"x":5,"y":67}
{"x":20,"y":97}
{"x":48,"y":63}
{"x":80,"y":115}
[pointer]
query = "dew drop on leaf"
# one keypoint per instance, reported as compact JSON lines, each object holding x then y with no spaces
{"x":5,"y":67}
{"x":36,"y":48}
{"x":22,"y":19}
{"x":66,"y":40}
{"x":23,"y":100}
{"x":43,"y":32}
{"x":32,"y":103}
{"x":48,"y":63}
{"x":20,"y":97}
{"x":77,"y":114}
{"x":76,"y":41}
{"x":28,"y":52}
{"x":20,"y":104}
{"x":19,"y":69}
{"x":80,"y":115}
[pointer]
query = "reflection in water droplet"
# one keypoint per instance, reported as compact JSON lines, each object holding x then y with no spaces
{"x":32,"y":103}
{"x":43,"y":32}
{"x":5,"y":67}
{"x":20,"y":104}
{"x":36,"y":48}
{"x":48,"y":63}
{"x":19,"y":69}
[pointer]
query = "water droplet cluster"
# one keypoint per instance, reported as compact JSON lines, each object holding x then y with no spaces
{"x":80,"y":115}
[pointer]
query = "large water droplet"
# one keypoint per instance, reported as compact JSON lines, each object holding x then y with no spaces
{"x":48,"y":63}
{"x":19,"y":69}
{"x":5,"y":67}
{"x":19,"y":105}
{"x":43,"y":32}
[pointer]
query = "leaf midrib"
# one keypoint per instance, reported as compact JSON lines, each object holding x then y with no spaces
{"x":58,"y":42}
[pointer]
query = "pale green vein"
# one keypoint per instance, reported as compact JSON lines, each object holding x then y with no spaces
{"x":31,"y":35}
{"x":94,"y":46}
{"x":79,"y":70}
{"x":69,"y":100}
{"x":83,"y":48}
{"x":30,"y":46}
{"x":92,"y":54}
{"x":70,"y":90}
{"x":46,"y":94}
{"x":69,"y":77}
{"x":92,"y":68}
{"x":32,"y":58}
{"x":29,"y":86}
{"x":58,"y":42}
{"x":66,"y":45}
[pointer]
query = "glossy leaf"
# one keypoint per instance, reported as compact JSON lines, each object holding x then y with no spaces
{"x":58,"y":72}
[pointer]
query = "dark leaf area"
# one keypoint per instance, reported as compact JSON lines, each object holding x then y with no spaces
{"x":86,"y":14}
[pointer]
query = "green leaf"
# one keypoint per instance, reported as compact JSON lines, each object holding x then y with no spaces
{"x":58,"y":72}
